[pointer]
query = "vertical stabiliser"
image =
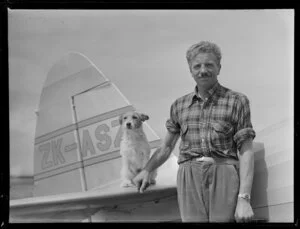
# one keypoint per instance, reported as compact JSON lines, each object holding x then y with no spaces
{"x":77,"y":132}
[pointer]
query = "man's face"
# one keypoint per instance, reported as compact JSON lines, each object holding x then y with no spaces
{"x":205,"y":69}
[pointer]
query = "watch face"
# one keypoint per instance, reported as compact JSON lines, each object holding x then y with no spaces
{"x":245,"y":196}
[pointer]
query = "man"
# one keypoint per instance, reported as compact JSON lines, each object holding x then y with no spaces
{"x":214,"y":124}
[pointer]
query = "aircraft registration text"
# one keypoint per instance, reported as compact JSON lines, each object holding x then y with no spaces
{"x":95,"y":139}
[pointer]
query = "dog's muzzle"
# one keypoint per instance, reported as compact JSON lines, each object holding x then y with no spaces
{"x":128,"y":125}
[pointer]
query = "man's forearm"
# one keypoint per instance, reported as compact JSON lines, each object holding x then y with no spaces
{"x":246,"y":168}
{"x":163,"y":153}
{"x":244,"y":211}
{"x":158,"y":158}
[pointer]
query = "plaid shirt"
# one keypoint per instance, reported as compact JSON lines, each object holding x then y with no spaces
{"x":215,"y":127}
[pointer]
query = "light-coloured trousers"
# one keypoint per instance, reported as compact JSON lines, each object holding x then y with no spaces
{"x":207,"y":192}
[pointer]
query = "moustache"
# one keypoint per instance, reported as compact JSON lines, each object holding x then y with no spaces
{"x":204,"y":75}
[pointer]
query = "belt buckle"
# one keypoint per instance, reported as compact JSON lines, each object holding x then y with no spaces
{"x":203,"y":158}
{"x":200,"y":158}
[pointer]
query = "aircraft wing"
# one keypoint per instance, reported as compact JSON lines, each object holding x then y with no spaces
{"x":81,"y":205}
{"x":108,"y":202}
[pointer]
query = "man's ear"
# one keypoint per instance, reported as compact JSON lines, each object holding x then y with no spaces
{"x":121,"y":119}
{"x":144,"y":117}
{"x":190,"y":68}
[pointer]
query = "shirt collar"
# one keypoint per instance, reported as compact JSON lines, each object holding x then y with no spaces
{"x":211,"y":92}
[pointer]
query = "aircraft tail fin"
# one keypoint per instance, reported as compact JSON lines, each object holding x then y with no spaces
{"x":77,"y":133}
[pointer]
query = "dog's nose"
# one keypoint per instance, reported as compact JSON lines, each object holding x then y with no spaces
{"x":128,"y":124}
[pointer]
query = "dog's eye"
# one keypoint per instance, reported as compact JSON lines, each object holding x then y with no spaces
{"x":134,"y":117}
{"x":125,"y":117}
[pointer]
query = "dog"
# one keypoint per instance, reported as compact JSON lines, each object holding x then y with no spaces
{"x":134,"y":147}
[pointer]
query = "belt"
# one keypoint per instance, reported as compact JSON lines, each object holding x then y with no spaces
{"x":215,"y":160}
{"x":218,"y":160}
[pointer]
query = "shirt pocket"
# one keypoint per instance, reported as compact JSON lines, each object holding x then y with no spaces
{"x":221,"y":135}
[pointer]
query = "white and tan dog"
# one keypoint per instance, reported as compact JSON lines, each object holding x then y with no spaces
{"x":134,"y":147}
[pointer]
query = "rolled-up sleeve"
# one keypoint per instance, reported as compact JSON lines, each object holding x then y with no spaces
{"x":172,"y":124}
{"x":244,"y":129}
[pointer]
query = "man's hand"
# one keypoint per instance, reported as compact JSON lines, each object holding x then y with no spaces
{"x":142,"y":180}
{"x":243,"y":211}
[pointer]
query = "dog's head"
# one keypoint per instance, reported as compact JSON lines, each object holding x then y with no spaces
{"x":132,"y":120}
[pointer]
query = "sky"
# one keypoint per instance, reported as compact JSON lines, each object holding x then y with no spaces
{"x":143,"y":53}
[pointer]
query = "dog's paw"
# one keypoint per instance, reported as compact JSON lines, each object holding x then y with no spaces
{"x":126,"y":183}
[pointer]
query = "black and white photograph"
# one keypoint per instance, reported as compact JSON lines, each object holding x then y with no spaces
{"x":151,"y":115}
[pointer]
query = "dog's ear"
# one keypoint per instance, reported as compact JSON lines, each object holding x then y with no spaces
{"x":120,"y":119}
{"x":144,"y":117}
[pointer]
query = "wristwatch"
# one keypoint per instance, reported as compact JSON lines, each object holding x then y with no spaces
{"x":245,"y":196}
